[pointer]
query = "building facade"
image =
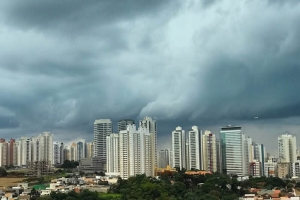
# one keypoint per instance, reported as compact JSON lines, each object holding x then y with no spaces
{"x":113,"y":158}
{"x":102,"y":128}
{"x":232,"y":150}
{"x":209,"y":147}
{"x":194,"y":149}
{"x":287,"y":148}
{"x":122,"y":124}
{"x":178,"y":148}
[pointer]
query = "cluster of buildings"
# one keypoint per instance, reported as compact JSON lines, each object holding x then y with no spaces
{"x":231,"y":153}
{"x":25,"y":150}
{"x":132,"y":149}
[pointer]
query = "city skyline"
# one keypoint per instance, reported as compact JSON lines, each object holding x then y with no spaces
{"x":184,"y":63}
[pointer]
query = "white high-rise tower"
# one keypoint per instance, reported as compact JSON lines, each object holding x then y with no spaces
{"x":178,"y":148}
{"x":287,"y":148}
{"x":112,"y":148}
{"x":150,"y":125}
{"x":194,"y":149}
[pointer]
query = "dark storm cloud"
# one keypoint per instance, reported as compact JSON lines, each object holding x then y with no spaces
{"x":64,"y":64}
{"x":78,"y":16}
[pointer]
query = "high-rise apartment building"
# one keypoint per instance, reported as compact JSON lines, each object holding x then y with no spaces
{"x":113,"y":158}
{"x":73,"y":151}
{"x":122,"y":124}
{"x":194,"y":149}
{"x":4,"y":150}
{"x":178,"y":148}
{"x":259,"y":155}
{"x":81,"y":149}
{"x":270,"y":168}
{"x":287,"y":148}
{"x":62,"y":155}
{"x":45,"y":147}
{"x":12,"y":152}
{"x":23,"y":150}
{"x":232,"y":150}
{"x":163,"y":158}
{"x":102,"y":128}
{"x":56,"y":153}
{"x":136,"y":153}
{"x":90,"y":149}
{"x":150,"y":126}
{"x":209,"y":147}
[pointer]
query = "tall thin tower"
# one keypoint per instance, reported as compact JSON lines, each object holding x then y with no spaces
{"x":102,"y":128}
{"x":178,"y":148}
{"x":150,"y":125}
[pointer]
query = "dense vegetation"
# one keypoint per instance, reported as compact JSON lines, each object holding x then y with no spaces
{"x":187,"y":187}
{"x":69,"y":164}
{"x":84,"y":195}
{"x":2,"y":172}
{"x":181,"y":186}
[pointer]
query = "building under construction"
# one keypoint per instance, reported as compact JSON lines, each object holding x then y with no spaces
{"x":39,"y":168}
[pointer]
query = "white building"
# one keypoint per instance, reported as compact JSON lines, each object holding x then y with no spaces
{"x":178,"y":148}
{"x":194,"y":149}
{"x":209,"y":149}
{"x":45,"y":147}
{"x":296,"y":169}
{"x":270,"y":168}
{"x":150,"y":125}
{"x":112,"y":147}
{"x":287,"y":148}
{"x":102,"y":128}
{"x":23,"y":151}
{"x":255,"y":168}
{"x":136,"y":153}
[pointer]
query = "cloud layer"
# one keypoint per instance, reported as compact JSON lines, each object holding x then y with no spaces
{"x":65,"y":64}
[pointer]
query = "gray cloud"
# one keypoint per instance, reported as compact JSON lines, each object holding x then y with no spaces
{"x":65,"y":64}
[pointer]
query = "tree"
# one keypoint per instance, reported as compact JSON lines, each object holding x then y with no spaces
{"x":2,"y":172}
{"x":69,"y":164}
{"x":34,"y":194}
{"x":210,"y":197}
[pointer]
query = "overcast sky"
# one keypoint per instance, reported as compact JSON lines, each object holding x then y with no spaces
{"x":64,"y":64}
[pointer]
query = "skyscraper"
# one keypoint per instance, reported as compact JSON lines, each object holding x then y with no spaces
{"x":151,"y":127}
{"x":164,"y":158}
{"x":194,"y":149}
{"x":89,"y":149}
{"x":209,"y":148}
{"x":4,"y":150}
{"x":62,"y":155}
{"x":122,"y":124}
{"x":81,"y":149}
{"x":56,"y":153}
{"x":178,"y":148}
{"x":23,"y":147}
{"x":102,"y":128}
{"x":287,"y":148}
{"x":232,"y":150}
{"x":136,"y":153}
{"x":45,"y":147}
{"x":112,"y":147}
